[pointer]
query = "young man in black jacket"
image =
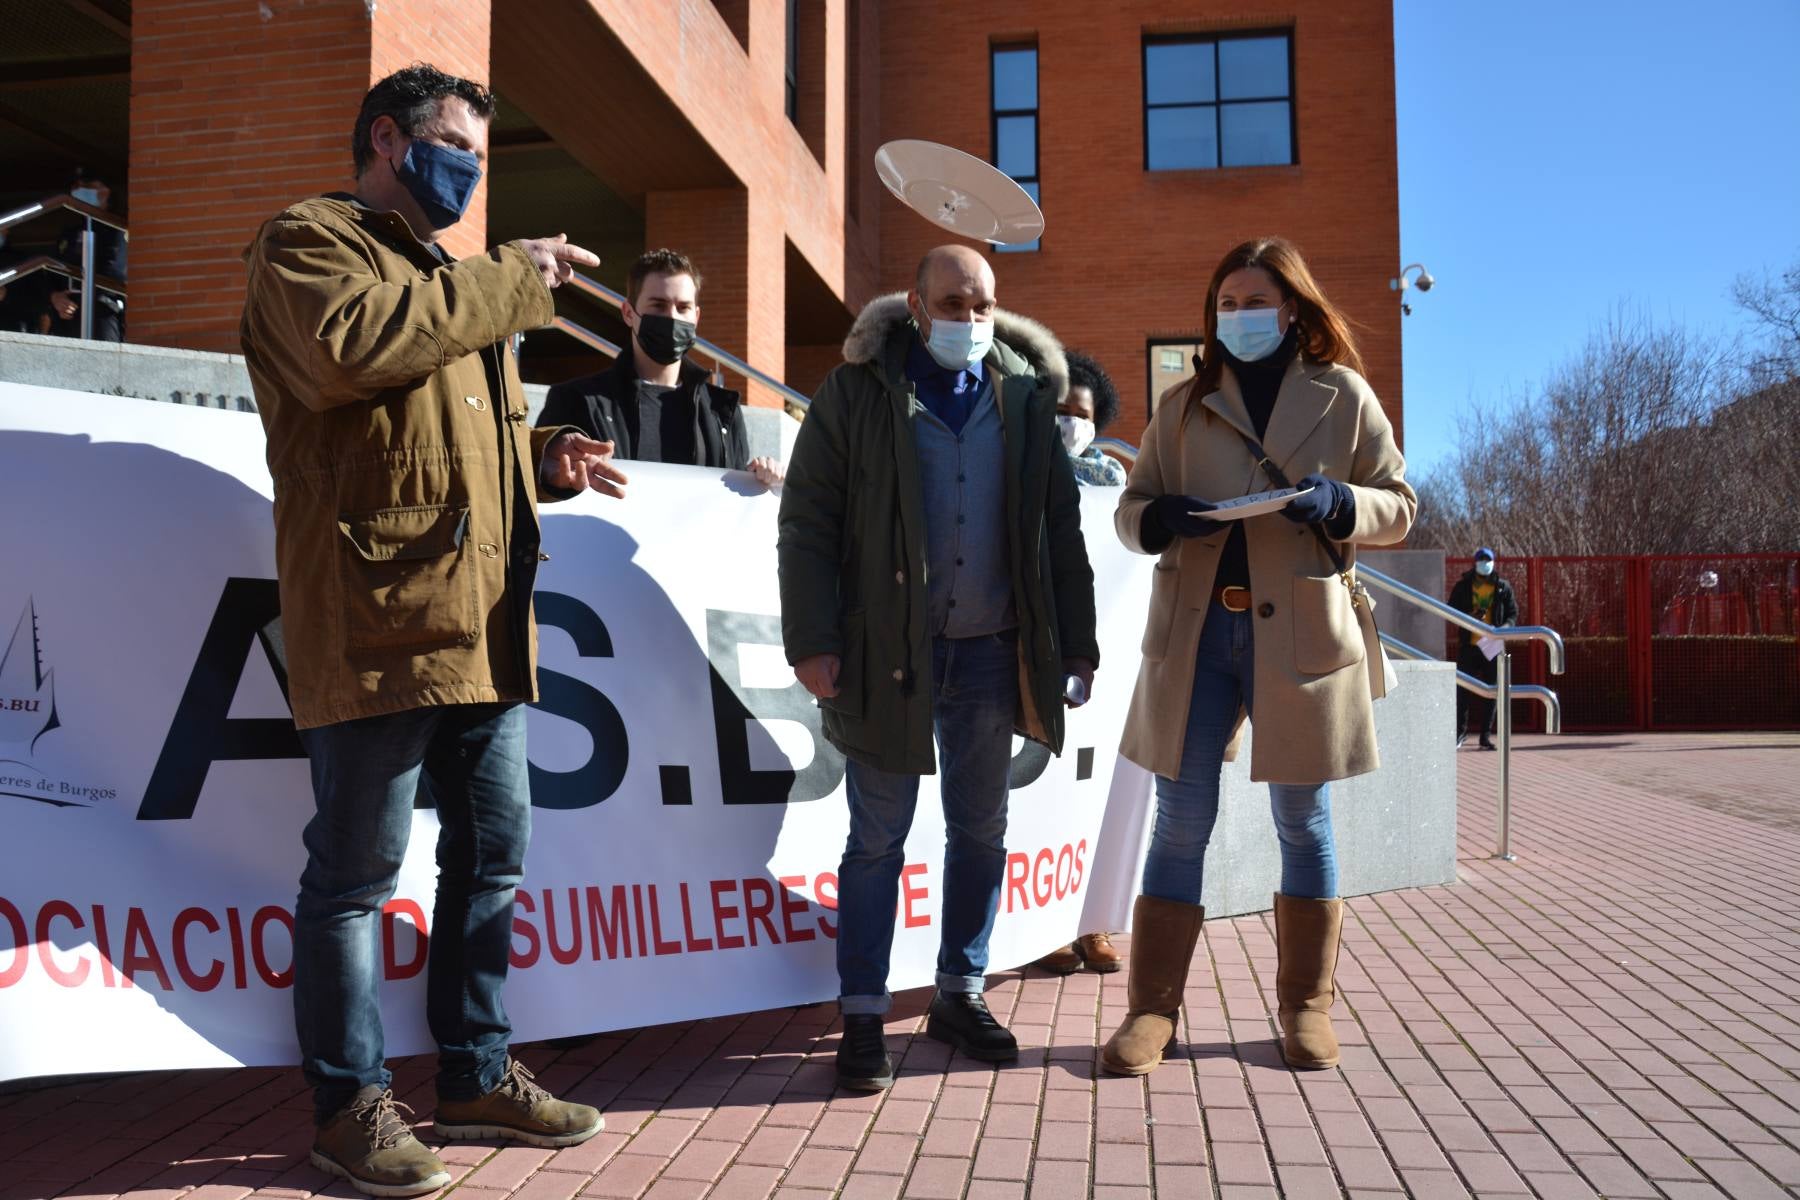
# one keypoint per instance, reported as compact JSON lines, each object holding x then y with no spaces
{"x":652,"y":404}
{"x":1485,"y":596}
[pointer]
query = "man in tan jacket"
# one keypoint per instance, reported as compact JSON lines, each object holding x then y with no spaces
{"x":406,"y":539}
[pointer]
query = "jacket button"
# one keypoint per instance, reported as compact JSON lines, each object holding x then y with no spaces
{"x":476,"y":403}
{"x":1265,"y":610}
{"x":899,"y":576}
{"x":899,"y":675}
{"x":491,"y":550}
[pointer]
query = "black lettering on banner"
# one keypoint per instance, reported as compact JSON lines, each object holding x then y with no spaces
{"x":202,"y":732}
{"x":577,"y":701}
{"x":737,"y":708}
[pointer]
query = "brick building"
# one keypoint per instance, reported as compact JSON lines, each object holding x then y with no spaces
{"x":1156,"y":132}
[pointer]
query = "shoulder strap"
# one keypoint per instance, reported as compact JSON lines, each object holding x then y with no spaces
{"x":1280,"y":480}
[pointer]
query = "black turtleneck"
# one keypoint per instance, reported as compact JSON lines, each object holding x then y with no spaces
{"x":1260,"y":383}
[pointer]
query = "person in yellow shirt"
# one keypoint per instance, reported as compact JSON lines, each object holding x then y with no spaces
{"x":1485,"y":596}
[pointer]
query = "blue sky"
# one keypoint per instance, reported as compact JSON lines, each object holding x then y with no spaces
{"x":1559,"y":159}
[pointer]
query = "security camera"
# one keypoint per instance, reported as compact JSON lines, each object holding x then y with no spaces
{"x":1424,"y":281}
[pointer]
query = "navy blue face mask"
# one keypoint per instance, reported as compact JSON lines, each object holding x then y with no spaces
{"x":441,"y":178}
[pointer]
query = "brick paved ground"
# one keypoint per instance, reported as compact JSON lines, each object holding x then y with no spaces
{"x":1615,"y":1015}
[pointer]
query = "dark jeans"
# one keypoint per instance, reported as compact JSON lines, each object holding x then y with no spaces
{"x":1188,"y":807}
{"x":974,"y":699}
{"x":365,"y":779}
{"x":1474,"y":662}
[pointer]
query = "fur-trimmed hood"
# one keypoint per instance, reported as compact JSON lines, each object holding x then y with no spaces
{"x":1015,"y":337}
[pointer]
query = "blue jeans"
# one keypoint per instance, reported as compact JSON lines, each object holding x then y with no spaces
{"x":974,"y":700}
{"x":366,"y":777}
{"x":1186,"y":808}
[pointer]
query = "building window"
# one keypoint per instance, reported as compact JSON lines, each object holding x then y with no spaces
{"x":1170,"y":362}
{"x":1218,"y":101}
{"x":1015,"y":129}
{"x":793,"y":57}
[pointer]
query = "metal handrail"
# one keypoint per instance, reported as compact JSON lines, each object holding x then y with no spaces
{"x":1505,"y":633}
{"x":89,"y":278}
{"x":46,"y":262}
{"x":1503,"y":685}
{"x":62,"y":203}
{"x":722,"y":358}
{"x":585,"y":336}
{"x":1535,"y":691}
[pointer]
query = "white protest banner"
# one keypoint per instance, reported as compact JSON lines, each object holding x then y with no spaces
{"x":688,"y":818}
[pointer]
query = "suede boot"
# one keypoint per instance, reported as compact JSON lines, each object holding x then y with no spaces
{"x":1306,"y":952}
{"x":1163,"y":933}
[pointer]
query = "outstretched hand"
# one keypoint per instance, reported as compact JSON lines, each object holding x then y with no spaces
{"x":575,"y":462}
{"x":556,"y":259}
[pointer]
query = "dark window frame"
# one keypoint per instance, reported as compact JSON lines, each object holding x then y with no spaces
{"x":1218,"y":104}
{"x":1153,"y":343}
{"x":996,"y":114}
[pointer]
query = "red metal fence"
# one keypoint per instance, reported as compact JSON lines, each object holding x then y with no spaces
{"x":1663,"y":642}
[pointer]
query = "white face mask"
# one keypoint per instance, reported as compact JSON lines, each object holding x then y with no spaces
{"x":1485,"y":567}
{"x":86,"y":195}
{"x":1250,"y":333}
{"x":1077,"y":432}
{"x":959,"y":345}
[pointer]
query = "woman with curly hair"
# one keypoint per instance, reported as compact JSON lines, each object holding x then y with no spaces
{"x":1091,"y":405}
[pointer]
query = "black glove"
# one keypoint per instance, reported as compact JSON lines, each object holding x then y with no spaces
{"x":1175,"y":514}
{"x":1327,"y":501}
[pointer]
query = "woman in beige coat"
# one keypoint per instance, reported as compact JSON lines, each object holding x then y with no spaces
{"x":1254,"y":616}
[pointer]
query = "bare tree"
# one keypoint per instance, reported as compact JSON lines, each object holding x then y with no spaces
{"x":1774,"y":304}
{"x":1651,"y":440}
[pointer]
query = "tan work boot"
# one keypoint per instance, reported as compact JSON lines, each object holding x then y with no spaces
{"x":518,"y":1110}
{"x":1064,"y":960}
{"x":1098,"y":952}
{"x":369,"y":1143}
{"x":1163,"y":933}
{"x":1306,"y":952}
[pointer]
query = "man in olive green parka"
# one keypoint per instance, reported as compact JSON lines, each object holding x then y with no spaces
{"x":934,"y":587}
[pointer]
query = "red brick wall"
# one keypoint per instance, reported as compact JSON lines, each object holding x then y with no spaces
{"x":234,"y":117}
{"x":1127,"y":252}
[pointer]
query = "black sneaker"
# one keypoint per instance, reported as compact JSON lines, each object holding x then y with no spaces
{"x":1461,"y":738}
{"x":963,"y":1020}
{"x":1486,"y":744}
{"x":863,"y":1062}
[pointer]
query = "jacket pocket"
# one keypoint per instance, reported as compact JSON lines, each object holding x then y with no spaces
{"x":852,"y":686}
{"x":1327,"y":637}
{"x":408,"y":582}
{"x":1165,"y":589}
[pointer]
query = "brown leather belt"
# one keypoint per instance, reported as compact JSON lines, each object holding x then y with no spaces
{"x":1226,"y":596}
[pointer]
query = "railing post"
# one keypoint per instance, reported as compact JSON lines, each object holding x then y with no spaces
{"x":1503,"y":715}
{"x":87,"y":281}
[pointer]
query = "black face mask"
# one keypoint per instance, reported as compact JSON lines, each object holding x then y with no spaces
{"x":664,"y":338}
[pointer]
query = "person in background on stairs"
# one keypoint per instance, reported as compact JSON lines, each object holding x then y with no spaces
{"x":652,"y":404}
{"x":1485,"y":596}
{"x":1090,"y":406}
{"x":1255,"y":617}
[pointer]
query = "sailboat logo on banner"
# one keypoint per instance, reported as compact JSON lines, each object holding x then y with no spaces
{"x":959,"y":192}
{"x":27,"y":690}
